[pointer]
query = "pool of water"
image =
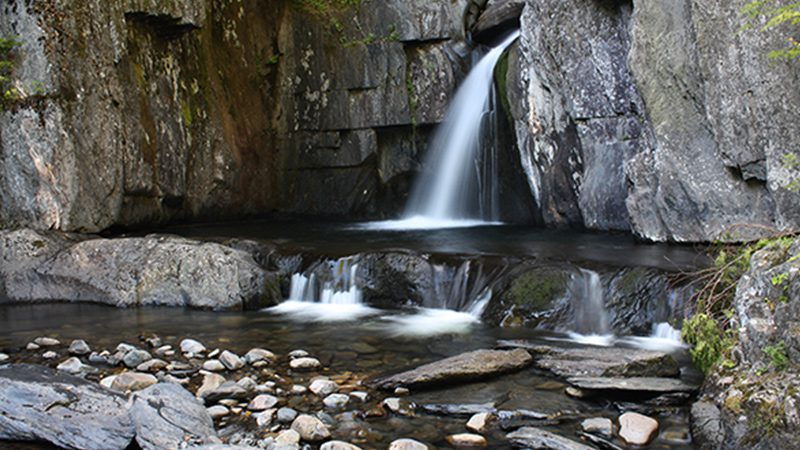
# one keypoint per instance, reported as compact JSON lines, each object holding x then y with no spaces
{"x":360,"y":349}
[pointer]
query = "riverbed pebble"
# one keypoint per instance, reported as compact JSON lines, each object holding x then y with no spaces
{"x":213,"y":365}
{"x":360,"y":396}
{"x":124,"y":348}
{"x":135,"y":357}
{"x":338,"y":445}
{"x":153,"y":365}
{"x":598,"y":425}
{"x":74,"y":366}
{"x":133,"y":381}
{"x":258,"y":355}
{"x":79,"y":347}
{"x":211,"y":381}
{"x":50,"y":355}
{"x":305,"y":363}
{"x":264,"y":419}
{"x":467,"y":440}
{"x":108,"y":381}
{"x":214,"y":353}
{"x":32,"y":346}
{"x":262,"y":402}
{"x":310,"y":428}
{"x":218,"y":411}
{"x":294,"y":354}
{"x":192,"y":346}
{"x":323,"y":387}
{"x":286,"y":415}
{"x":407,"y":444}
{"x":153,"y":341}
{"x":298,"y":389}
{"x":248,"y":383}
{"x":288,"y":437}
{"x":479,"y":422}
{"x":162,"y":351}
{"x":46,"y":341}
{"x":637,"y":429}
{"x":4,"y":357}
{"x":336,"y":401}
{"x":231,"y":360}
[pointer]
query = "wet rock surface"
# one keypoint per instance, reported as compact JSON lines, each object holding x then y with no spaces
{"x":467,"y":366}
{"x":529,"y":437}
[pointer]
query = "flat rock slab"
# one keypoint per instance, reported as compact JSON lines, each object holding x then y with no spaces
{"x":468,"y":366}
{"x":530,"y":437}
{"x":39,"y":403}
{"x":640,"y":384}
{"x":167,"y":416}
{"x":599,"y":361}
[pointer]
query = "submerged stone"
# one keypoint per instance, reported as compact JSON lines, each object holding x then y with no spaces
{"x":529,"y":437}
{"x":637,"y":429}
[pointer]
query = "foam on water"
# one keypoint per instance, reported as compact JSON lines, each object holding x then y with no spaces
{"x":322,"y":312}
{"x":430,"y":322}
{"x":664,"y":338}
{"x":424,"y":223}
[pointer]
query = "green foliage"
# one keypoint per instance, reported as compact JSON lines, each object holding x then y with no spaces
{"x":709,"y":340}
{"x":778,"y":358}
{"x":778,"y":13}
{"x":8,"y":48}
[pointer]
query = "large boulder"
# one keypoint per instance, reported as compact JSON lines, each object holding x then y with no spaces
{"x":153,"y":270}
{"x":40,"y":404}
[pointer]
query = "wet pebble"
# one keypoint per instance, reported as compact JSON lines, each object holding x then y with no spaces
{"x":218,"y":411}
{"x":79,"y":347}
{"x":211,"y":381}
{"x":133,"y":358}
{"x":637,"y":429}
{"x":262,"y":402}
{"x":214,"y":353}
{"x":288,"y":437}
{"x":213,"y":365}
{"x":248,"y":383}
{"x":108,"y":381}
{"x":299,"y":389}
{"x":46,"y":342}
{"x":50,"y":355}
{"x":467,"y":440}
{"x":360,"y":396}
{"x":286,"y":415}
{"x":305,"y":363}
{"x":323,"y":387}
{"x":154,"y":341}
{"x":336,"y":401}
{"x":4,"y":357}
{"x":162,"y":351}
{"x":310,"y":428}
{"x":338,"y":445}
{"x":407,"y":444}
{"x":598,"y":425}
{"x":133,"y":381}
{"x":258,"y":355}
{"x":298,"y":354}
{"x":74,"y":366}
{"x":264,"y":419}
{"x":479,"y":422}
{"x":192,"y":346}
{"x":153,"y":365}
{"x":31,"y":346}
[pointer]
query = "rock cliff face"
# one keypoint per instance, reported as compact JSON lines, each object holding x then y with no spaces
{"x":664,"y":119}
{"x":137,"y":112}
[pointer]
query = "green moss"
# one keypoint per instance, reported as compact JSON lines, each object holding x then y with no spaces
{"x":501,"y":77}
{"x":186,"y":111}
{"x":8,"y":47}
{"x":710,"y":341}
{"x":537,"y":289}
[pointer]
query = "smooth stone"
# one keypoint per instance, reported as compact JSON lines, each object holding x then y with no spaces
{"x":644,"y":384}
{"x":211,"y":381}
{"x":637,"y":429}
{"x":530,"y":437}
{"x":598,"y":425}
{"x":74,"y":366}
{"x":298,"y":389}
{"x":4,"y":357}
{"x":310,"y":428}
{"x":464,"y":367}
{"x":338,"y":445}
{"x":294,"y":354}
{"x":213,"y":365}
{"x":133,"y":358}
{"x":257,"y":355}
{"x":262,"y":402}
{"x":192,"y":346}
{"x":401,"y":391}
{"x":264,"y":419}
{"x":173,"y":379}
{"x":50,"y":355}
{"x":228,"y":389}
{"x":286,"y":415}
{"x":32,"y":346}
{"x":360,"y":396}
{"x":154,"y":341}
{"x":479,"y":422}
{"x":79,"y":347}
{"x":231,"y":360}
{"x":162,"y":351}
{"x":168,"y":416}
{"x":336,"y":401}
{"x":288,"y":437}
{"x":133,"y":381}
{"x":124,"y":348}
{"x":229,"y":402}
{"x":218,"y":411}
{"x":108,"y":381}
{"x":575,"y":392}
{"x":466,"y":410}
{"x":467,"y":440}
{"x":99,"y":358}
{"x":153,"y":365}
{"x":323,"y":387}
{"x":213,"y":353}
{"x":398,"y":406}
{"x":304,"y":363}
{"x":248,"y":383}
{"x":407,"y":444}
{"x":46,"y":342}
{"x":38,"y":403}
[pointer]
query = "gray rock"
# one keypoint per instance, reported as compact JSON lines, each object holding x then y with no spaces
{"x":338,"y":445}
{"x":211,"y":381}
{"x":228,"y":389}
{"x":310,"y":428}
{"x":294,"y":354}
{"x":46,"y":342}
{"x":323,"y":387}
{"x":465,"y":367}
{"x":213,"y":365}
{"x":641,"y":384}
{"x":192,"y":346}
{"x":598,"y":425}
{"x":262,"y":402}
{"x":459,"y":410}
{"x":407,"y":444}
{"x":336,"y":401}
{"x":231,"y":360}
{"x":74,"y":366}
{"x":168,"y":416}
{"x":707,"y":428}
{"x":79,"y":347}
{"x":529,"y":437}
{"x":133,"y":381}
{"x":40,"y":404}
{"x":286,"y":415}
{"x":248,"y":383}
{"x":499,"y":16}
{"x":218,"y":411}
{"x":305,"y":363}
{"x":259,"y":354}
{"x":134,"y":358}
{"x":264,"y":419}
{"x":153,"y":365}
{"x":637,"y":429}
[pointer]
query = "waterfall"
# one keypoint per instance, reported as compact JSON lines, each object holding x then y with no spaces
{"x":590,"y":310}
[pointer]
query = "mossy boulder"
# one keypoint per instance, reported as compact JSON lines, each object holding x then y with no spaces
{"x":529,"y":297}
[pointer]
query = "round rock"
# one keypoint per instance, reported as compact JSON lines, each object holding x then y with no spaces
{"x":50,"y":355}
{"x":79,"y":347}
{"x":288,"y":437}
{"x":304,"y":363}
{"x":133,"y":381}
{"x":258,"y":354}
{"x":286,"y":415}
{"x":637,"y":429}
{"x":298,"y":354}
{"x":407,"y":444}
{"x":598,"y":425}
{"x":336,"y":401}
{"x":338,"y":445}
{"x":231,"y":360}
{"x":133,"y":358}
{"x":73,"y":366}
{"x":467,"y":440}
{"x":262,"y":402}
{"x":46,"y":342}
{"x":192,"y":346}
{"x":323,"y":387}
{"x":218,"y":411}
{"x":310,"y":428}
{"x":213,"y":365}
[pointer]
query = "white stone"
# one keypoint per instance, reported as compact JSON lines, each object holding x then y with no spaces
{"x":258,"y":355}
{"x":338,"y":445}
{"x":264,"y":419}
{"x":310,"y":428}
{"x":4,"y":357}
{"x":288,"y":437}
{"x":211,"y":381}
{"x":637,"y":429}
{"x":304,"y":363}
{"x":50,"y":355}
{"x":336,"y":401}
{"x":299,"y":389}
{"x":248,"y":383}
{"x":32,"y":346}
{"x":72,"y":365}
{"x":213,"y":365}
{"x":598,"y":425}
{"x":262,"y":402}
{"x":360,"y":396}
{"x":153,"y":365}
{"x":214,"y":353}
{"x":323,"y":387}
{"x":479,"y":422}
{"x":192,"y":346}
{"x":218,"y":411}
{"x":231,"y":360}
{"x":407,"y":444}
{"x":79,"y":347}
{"x":467,"y":440}
{"x":294,"y":354}
{"x":46,"y":342}
{"x":108,"y":381}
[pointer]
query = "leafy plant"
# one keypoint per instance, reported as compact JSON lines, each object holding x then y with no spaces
{"x":8,"y":46}
{"x":778,"y":358}
{"x":778,"y":14}
{"x":709,"y":341}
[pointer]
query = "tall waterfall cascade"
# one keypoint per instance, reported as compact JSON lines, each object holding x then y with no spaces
{"x":459,"y":183}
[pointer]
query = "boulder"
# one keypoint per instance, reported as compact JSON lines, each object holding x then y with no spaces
{"x":40,"y":404}
{"x":529,"y":437}
{"x":167,"y":416}
{"x":469,"y":366}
